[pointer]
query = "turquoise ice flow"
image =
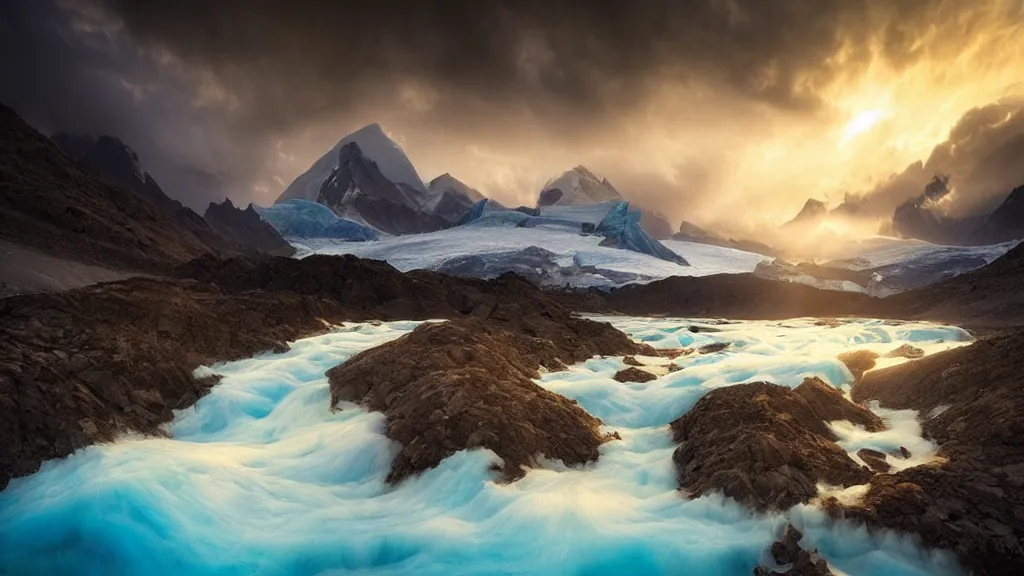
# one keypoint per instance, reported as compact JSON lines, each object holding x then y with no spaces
{"x":261,"y":477}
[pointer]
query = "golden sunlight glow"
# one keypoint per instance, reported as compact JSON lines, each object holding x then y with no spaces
{"x":861,"y":123}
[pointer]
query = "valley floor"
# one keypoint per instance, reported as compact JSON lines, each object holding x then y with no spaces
{"x":27,"y":271}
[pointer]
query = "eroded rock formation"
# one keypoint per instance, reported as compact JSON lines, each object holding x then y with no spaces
{"x":467,"y":383}
{"x":767,"y":446}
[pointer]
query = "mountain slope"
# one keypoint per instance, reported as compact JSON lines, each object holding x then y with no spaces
{"x":375,"y":145}
{"x":1006,"y":223}
{"x":53,"y":203}
{"x":224,"y":228}
{"x":576,"y":187}
{"x":357,"y":189}
{"x":453,"y":198}
{"x":690,"y":232}
{"x":246,"y":230}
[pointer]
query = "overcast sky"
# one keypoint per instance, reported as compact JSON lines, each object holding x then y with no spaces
{"x":728,"y":113}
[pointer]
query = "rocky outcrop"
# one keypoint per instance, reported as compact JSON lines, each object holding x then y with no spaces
{"x":633,"y":374}
{"x":905,"y":351}
{"x":245,"y":231}
{"x":971,"y":402}
{"x":467,"y":383}
{"x":766,"y":446}
{"x":874,"y":459}
{"x":83,"y":366}
{"x":787,"y":552}
{"x":859,"y":362}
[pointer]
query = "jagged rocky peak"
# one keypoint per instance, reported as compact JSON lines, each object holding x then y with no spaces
{"x":446,"y":182}
{"x":356,"y":188}
{"x":575,"y":187}
{"x":813,"y":211}
{"x":244,"y":230}
{"x":375,"y":144}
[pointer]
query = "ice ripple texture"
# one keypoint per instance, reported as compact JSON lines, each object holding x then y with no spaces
{"x":260,"y":477}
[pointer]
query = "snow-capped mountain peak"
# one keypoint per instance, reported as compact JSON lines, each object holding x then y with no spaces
{"x":575,"y":187}
{"x":376,"y":146}
{"x":448,"y":182}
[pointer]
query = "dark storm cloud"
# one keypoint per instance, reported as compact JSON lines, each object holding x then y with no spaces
{"x":65,"y":68}
{"x":983,"y":155}
{"x":236,"y":97}
{"x":296,"y":59}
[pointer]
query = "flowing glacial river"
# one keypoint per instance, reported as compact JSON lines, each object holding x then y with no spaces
{"x":261,"y":477}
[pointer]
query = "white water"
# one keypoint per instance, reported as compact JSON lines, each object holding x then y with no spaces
{"x":261,"y":478}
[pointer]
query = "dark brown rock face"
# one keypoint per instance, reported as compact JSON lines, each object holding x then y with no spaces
{"x":633,"y":374}
{"x":764,"y":445}
{"x":787,"y":551}
{"x":82,"y":366}
{"x":859,"y":362}
{"x":874,"y":459}
{"x":244,"y":231}
{"x":971,"y":402}
{"x":466,"y":383}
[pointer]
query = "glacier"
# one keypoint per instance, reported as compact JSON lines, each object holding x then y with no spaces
{"x":613,"y":220}
{"x":489,"y":247}
{"x":299,"y":218}
{"x":261,"y":477}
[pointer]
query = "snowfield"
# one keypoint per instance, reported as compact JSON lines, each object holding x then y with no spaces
{"x":574,"y":260}
{"x":563,"y":258}
{"x":261,"y":477}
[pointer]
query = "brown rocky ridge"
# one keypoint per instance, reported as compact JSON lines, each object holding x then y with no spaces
{"x":467,"y":383}
{"x":971,"y":501}
{"x":767,"y":446}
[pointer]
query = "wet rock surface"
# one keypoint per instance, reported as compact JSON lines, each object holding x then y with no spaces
{"x":713,"y":347}
{"x":465,"y":384}
{"x":858,"y":362}
{"x":874,"y":459}
{"x":764,"y":445}
{"x":906,"y":351}
{"x":971,"y":402}
{"x":798,"y":562}
{"x":633,"y":374}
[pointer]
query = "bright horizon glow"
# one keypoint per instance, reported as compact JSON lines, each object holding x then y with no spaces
{"x":861,"y":123}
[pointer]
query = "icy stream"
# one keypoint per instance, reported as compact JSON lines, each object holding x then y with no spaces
{"x":262,"y":478}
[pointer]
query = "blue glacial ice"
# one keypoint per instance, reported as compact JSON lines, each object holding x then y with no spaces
{"x":305,"y":219}
{"x":261,"y":477}
{"x":612,"y":220}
